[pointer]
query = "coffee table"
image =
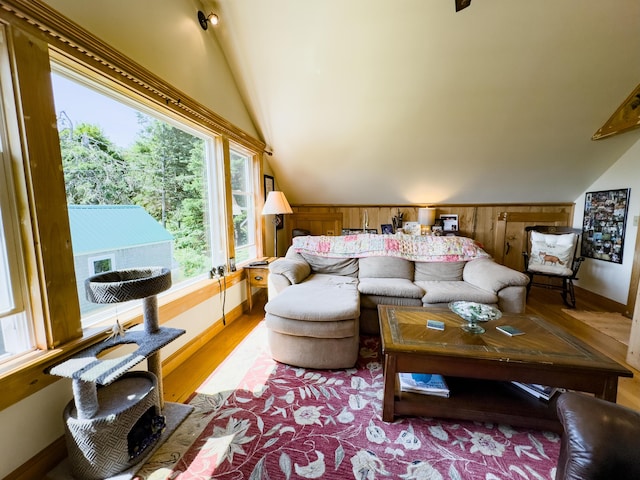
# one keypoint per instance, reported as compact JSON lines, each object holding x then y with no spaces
{"x":479,"y":368}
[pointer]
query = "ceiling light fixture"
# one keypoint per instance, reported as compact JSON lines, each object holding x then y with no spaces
{"x":205,"y":20}
{"x":462,"y":4}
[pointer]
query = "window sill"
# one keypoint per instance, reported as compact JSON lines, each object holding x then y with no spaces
{"x":26,"y":375}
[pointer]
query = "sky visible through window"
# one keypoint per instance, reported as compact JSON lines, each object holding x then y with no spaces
{"x":82,"y":105}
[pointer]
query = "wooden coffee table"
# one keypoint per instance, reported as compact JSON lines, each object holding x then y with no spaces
{"x":479,"y":368}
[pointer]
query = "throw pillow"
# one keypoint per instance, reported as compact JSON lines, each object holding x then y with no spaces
{"x":552,"y":254}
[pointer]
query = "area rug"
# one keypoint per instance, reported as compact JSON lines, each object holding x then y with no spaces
{"x":257,"y":419}
{"x":614,"y":325}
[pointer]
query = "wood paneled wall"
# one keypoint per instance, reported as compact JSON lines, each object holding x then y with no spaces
{"x":481,"y":221}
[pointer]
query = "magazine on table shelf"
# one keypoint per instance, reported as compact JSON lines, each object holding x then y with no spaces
{"x":426,"y":383}
{"x":539,"y":391}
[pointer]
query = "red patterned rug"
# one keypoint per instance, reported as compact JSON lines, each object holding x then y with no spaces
{"x":258,"y":419}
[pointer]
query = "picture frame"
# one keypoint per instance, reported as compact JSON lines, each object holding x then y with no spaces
{"x":449,"y":222}
{"x":604,"y":224}
{"x":269,"y":185}
{"x":387,"y":228}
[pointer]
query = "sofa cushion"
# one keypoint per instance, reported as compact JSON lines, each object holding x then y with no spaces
{"x":387,"y":267}
{"x":390,"y":287}
{"x":444,"y":292}
{"x":372,"y":302}
{"x":347,"y":267}
{"x":435,"y":271}
{"x":320,"y":298}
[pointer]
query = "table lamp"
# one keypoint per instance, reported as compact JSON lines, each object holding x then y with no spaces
{"x":427,"y":217}
{"x":275,"y":205}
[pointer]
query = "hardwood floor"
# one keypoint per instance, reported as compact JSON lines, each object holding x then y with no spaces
{"x":182,"y":382}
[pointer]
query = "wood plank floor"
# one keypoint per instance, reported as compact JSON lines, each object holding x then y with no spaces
{"x":182,"y":382}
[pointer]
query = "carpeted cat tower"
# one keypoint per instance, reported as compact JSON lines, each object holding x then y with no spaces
{"x":117,"y":418}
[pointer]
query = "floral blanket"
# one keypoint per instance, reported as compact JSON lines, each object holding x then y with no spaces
{"x":421,"y":248}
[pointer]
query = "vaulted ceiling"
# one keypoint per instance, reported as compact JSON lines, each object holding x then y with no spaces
{"x":372,"y":101}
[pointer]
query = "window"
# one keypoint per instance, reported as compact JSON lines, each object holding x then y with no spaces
{"x":16,"y":333}
{"x":244,"y":224}
{"x":136,"y":184}
{"x":102,"y":264}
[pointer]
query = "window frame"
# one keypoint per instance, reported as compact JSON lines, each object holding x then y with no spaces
{"x":36,"y":33}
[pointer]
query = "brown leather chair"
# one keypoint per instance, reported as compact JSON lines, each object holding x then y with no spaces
{"x":601,"y":440}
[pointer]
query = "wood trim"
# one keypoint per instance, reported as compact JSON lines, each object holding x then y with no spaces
{"x":42,"y":463}
{"x":635,"y":280}
{"x":71,"y":40}
{"x":45,"y":186}
{"x":541,"y":217}
{"x":176,"y":359}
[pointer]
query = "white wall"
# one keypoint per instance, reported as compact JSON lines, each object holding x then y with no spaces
{"x":165,"y":37}
{"x":608,"y":279}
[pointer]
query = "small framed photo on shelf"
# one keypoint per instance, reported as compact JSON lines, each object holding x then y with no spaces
{"x":386,"y":228}
{"x":449,"y":222}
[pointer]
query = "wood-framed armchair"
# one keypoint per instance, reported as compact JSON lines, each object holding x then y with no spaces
{"x":552,"y":255}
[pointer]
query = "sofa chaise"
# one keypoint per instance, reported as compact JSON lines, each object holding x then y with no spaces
{"x":326,"y":290}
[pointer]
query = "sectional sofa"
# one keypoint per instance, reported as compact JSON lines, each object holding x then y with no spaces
{"x":326,"y":290}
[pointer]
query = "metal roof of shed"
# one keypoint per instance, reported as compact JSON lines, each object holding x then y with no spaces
{"x":97,"y":228}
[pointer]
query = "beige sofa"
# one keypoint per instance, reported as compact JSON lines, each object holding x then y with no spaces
{"x":320,"y":301}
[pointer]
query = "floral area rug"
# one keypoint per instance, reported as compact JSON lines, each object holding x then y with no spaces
{"x":258,"y":419}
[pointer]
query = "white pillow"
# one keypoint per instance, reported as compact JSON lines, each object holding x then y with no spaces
{"x":552,"y":253}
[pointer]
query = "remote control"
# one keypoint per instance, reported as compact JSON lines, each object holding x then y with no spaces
{"x":258,"y":263}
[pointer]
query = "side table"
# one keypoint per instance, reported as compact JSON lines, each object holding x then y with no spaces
{"x":257,"y":277}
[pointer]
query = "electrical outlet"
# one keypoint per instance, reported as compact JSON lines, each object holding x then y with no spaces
{"x":635,"y":220}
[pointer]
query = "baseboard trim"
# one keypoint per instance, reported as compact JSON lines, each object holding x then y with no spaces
{"x":41,"y":463}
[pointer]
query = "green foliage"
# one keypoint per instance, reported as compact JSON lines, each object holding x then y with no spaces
{"x":163,"y":172}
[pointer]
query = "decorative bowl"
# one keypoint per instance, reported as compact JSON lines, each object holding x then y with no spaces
{"x":473,"y":313}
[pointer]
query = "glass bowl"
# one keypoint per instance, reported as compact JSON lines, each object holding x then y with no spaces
{"x":473,"y":313}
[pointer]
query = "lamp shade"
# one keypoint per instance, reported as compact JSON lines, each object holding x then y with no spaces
{"x":276,"y":204}
{"x":427,"y":216}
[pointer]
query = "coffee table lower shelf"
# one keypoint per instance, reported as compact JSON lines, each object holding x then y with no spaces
{"x":480,"y":400}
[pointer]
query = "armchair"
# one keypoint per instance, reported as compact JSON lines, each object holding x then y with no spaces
{"x":552,"y":253}
{"x":601,"y":439}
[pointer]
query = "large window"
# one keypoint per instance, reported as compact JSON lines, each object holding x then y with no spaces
{"x":136,"y":184}
{"x":242,"y":189}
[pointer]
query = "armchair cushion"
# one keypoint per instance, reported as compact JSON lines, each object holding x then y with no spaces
{"x":552,"y":254}
{"x":601,"y":439}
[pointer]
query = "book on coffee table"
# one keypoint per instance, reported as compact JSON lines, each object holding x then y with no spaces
{"x":542,"y":392}
{"x":426,"y":383}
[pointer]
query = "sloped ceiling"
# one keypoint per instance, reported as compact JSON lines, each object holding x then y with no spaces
{"x":371,"y":101}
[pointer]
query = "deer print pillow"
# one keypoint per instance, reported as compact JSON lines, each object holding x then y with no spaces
{"x":552,"y":254}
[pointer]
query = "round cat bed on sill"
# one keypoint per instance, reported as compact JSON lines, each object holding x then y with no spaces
{"x":124,"y":285}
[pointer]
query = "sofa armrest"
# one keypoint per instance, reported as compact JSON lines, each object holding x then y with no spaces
{"x":293,"y":270}
{"x":486,"y":274}
{"x":285,"y":272}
